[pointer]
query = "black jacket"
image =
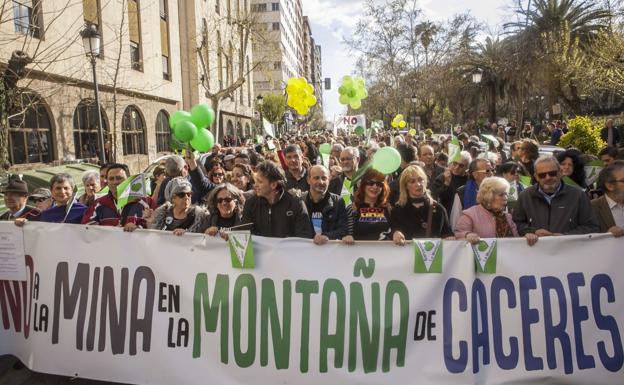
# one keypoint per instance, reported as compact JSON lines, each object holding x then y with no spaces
{"x":569,"y":212}
{"x":337,"y":217}
{"x":288,"y":217}
{"x":446,"y":194}
{"x":412,"y":221}
{"x":604,"y":134}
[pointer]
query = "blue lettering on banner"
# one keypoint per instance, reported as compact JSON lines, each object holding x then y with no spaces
{"x":560,"y":330}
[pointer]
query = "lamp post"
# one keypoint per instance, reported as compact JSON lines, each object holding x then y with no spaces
{"x":260,"y":102}
{"x":91,"y":43}
{"x":477,"y":75}
{"x":414,"y":99}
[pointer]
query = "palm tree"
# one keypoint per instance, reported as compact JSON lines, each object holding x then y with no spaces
{"x":426,"y":32}
{"x":555,"y":35}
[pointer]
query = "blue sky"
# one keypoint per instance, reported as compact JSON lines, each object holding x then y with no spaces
{"x":332,"y":19}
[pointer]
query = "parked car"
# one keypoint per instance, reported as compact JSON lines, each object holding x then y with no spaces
{"x":40,"y":177}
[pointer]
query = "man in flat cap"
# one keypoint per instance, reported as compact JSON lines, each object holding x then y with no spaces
{"x":15,"y":198}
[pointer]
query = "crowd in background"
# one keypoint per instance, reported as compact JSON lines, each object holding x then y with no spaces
{"x":286,"y":187}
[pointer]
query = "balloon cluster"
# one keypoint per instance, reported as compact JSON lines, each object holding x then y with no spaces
{"x":193,"y":127}
{"x":352,"y":91}
{"x":300,"y":95}
{"x":398,"y":122}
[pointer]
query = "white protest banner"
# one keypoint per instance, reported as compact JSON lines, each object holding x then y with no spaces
{"x":348,"y":123}
{"x":149,"y":307}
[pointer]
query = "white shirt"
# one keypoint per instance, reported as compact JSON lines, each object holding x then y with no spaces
{"x":617,"y":210}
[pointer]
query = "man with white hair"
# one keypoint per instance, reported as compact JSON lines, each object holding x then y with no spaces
{"x":551,"y":207}
{"x":342,"y":185}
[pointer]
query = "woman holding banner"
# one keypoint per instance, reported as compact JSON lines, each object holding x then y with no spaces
{"x":179,"y":215}
{"x":416,"y":214}
{"x":488,"y":218}
{"x":371,"y":209}
{"x":225,"y":204}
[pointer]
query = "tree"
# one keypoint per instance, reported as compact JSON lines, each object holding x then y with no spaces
{"x":273,"y":108}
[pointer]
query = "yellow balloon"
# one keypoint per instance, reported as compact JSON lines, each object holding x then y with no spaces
{"x":402,"y":124}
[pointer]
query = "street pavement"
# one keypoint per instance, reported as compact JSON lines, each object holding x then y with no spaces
{"x":10,"y":376}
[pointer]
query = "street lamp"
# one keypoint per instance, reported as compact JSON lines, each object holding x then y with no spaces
{"x":91,"y":41}
{"x":414,"y":102}
{"x":260,"y":102}
{"x":477,"y":75}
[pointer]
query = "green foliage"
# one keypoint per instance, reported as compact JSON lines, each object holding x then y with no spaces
{"x":584,"y":134}
{"x":273,"y":108}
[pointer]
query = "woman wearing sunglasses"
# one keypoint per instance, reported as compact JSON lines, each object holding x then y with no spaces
{"x":371,"y":209}
{"x":178,"y":215}
{"x":225,"y":204}
{"x":217,"y":173}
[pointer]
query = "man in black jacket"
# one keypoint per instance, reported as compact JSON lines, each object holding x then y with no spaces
{"x":331,"y":218}
{"x":273,"y":212}
{"x":551,"y":207}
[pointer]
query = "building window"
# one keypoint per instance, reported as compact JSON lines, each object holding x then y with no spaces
{"x":262,"y":7}
{"x":86,"y":134}
{"x":218,"y":7}
{"x":164,"y":40}
{"x":165,"y":65}
{"x":134,"y":29}
{"x":275,"y":26}
{"x":274,"y":6}
{"x":219,"y":61}
{"x":163,"y":133}
{"x":133,"y":132}
{"x":277,"y":65}
{"x":30,"y":136}
{"x":25,"y":19}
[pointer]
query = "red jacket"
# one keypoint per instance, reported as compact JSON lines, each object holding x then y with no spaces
{"x":104,"y":212}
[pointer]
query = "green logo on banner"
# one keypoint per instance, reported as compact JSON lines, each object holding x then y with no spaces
{"x":485,"y":256}
{"x":427,"y":256}
{"x":241,"y":249}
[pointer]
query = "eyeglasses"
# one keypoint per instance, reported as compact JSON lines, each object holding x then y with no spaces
{"x":218,"y":174}
{"x":458,"y":165}
{"x":551,"y":174}
{"x":346,"y":159}
{"x":375,"y":183}
{"x":226,"y":200}
{"x":184,"y":194}
{"x":39,"y":200}
{"x":488,"y":171}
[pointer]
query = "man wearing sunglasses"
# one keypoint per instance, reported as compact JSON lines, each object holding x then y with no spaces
{"x":551,"y":207}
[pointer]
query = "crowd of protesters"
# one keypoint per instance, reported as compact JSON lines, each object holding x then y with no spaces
{"x":283,"y":188}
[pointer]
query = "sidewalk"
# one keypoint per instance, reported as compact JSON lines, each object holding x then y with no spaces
{"x":9,"y":376}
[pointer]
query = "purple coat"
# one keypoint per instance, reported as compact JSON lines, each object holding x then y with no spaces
{"x":481,"y":222}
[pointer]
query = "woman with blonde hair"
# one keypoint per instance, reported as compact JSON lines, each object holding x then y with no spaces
{"x":488,"y":218}
{"x":416,"y":214}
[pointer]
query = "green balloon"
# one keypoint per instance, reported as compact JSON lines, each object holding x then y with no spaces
{"x":203,"y":141}
{"x":359,"y":131}
{"x":177,"y":117}
{"x":386,"y":160}
{"x":185,"y":131}
{"x":202,"y":115}
{"x":325,"y":148}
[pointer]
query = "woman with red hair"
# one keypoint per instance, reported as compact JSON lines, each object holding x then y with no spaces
{"x":371,"y":209}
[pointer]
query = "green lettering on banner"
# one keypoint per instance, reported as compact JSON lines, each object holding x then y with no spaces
{"x":220,"y":304}
{"x":281,"y":334}
{"x":332,"y":341}
{"x":306,"y":288}
{"x":369,"y":335}
{"x":244,"y":281}
{"x":398,"y":341}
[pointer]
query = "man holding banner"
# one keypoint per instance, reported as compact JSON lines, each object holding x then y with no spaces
{"x":331,"y":218}
{"x":551,"y":207}
{"x":121,"y":206}
{"x":609,"y":208}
